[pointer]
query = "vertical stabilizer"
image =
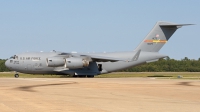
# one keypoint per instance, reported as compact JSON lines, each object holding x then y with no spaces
{"x":158,"y":36}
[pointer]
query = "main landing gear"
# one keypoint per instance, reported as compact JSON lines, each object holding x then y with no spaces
{"x":84,"y":76}
{"x":90,"y":76}
{"x":16,"y":75}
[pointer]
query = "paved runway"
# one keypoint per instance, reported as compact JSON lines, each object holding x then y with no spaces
{"x":99,"y":95}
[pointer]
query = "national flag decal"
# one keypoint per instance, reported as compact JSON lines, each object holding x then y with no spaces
{"x":155,"y":41}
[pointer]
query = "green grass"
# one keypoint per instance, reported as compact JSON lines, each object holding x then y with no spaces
{"x":160,"y":75}
{"x":21,"y":75}
{"x":163,"y":75}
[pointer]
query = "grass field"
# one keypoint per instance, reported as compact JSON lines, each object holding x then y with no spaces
{"x":162,"y":75}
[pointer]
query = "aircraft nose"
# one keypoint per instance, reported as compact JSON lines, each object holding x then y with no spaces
{"x":7,"y":64}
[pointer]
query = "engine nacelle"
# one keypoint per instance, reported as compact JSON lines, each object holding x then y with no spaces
{"x":55,"y":61}
{"x":73,"y":63}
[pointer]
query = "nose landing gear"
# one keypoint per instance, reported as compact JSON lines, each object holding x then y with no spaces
{"x":16,"y":75}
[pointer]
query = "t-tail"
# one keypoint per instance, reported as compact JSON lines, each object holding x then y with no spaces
{"x":158,"y":36}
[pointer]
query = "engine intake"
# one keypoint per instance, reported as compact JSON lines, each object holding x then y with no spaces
{"x":55,"y":61}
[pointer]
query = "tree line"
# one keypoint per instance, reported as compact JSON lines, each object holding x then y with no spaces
{"x":162,"y":65}
{"x":168,"y":65}
{"x":3,"y":68}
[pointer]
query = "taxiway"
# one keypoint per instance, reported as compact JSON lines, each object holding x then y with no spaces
{"x":99,"y":95}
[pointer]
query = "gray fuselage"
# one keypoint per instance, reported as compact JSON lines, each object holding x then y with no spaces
{"x":36,"y":63}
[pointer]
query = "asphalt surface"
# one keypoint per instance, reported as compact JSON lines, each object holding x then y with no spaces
{"x":99,"y":95}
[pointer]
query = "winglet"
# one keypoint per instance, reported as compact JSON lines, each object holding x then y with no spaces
{"x":136,"y":56}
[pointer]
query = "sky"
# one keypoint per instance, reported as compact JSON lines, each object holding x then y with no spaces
{"x":96,"y":25}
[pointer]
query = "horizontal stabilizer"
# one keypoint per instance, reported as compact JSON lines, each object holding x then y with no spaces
{"x":174,"y":25}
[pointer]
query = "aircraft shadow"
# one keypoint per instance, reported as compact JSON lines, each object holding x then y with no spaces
{"x":31,"y":88}
{"x":186,"y":84}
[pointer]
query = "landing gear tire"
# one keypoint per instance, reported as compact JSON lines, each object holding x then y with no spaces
{"x":75,"y":76}
{"x":90,"y":76}
{"x":82,"y":76}
{"x":16,"y":75}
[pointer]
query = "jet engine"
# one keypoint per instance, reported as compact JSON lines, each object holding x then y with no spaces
{"x":55,"y":61}
{"x":73,"y":63}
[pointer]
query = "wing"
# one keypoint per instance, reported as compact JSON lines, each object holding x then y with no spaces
{"x":111,"y":59}
{"x":102,"y":58}
{"x":97,"y":58}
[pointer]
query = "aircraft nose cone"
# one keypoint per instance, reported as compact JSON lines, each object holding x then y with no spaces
{"x":7,"y":64}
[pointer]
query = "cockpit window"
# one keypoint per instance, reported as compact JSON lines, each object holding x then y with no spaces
{"x":14,"y":57}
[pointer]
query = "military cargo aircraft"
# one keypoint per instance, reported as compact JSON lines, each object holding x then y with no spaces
{"x":91,"y":64}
